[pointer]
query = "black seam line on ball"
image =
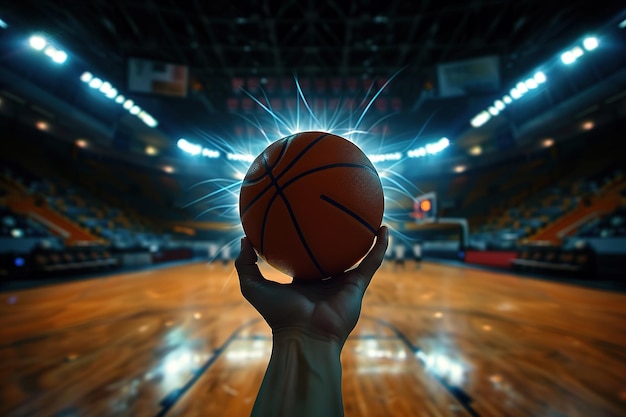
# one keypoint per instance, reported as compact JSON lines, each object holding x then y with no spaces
{"x":325,"y":167}
{"x":296,"y":159}
{"x":349,"y":212}
{"x":252,"y":181}
{"x":294,"y":220}
{"x":300,"y":155}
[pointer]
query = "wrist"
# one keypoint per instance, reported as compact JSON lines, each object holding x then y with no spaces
{"x":303,"y":376}
{"x":322,"y":341}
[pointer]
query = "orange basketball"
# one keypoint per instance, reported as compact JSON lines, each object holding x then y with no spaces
{"x":311,"y":205}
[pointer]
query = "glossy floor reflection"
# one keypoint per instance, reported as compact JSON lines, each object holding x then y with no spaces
{"x":440,"y":341}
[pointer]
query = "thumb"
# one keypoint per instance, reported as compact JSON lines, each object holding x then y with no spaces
{"x":250,"y":276}
{"x":370,"y":264}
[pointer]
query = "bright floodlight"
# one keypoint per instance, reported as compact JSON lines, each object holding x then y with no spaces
{"x":578,"y":52}
{"x":531,"y":84}
{"x":540,"y":77}
{"x":521,"y":87}
{"x":95,"y":83}
{"x":190,"y":148}
{"x":498,"y":104}
{"x":493,"y":111}
{"x":128,"y":104}
{"x":568,"y":58}
{"x":515,"y":93}
{"x":590,"y":43}
{"x":59,"y":57}
{"x":86,"y":77}
{"x":507,"y":99}
{"x":135,"y":109}
{"x":3,"y":24}
{"x":150,"y":121}
{"x":111,"y":93}
{"x":51,"y":51}
{"x":119,"y":99}
{"x":480,"y":119}
{"x":105,"y":87}
{"x":37,"y":42}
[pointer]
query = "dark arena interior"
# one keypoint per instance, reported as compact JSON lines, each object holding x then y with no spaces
{"x":498,"y":130}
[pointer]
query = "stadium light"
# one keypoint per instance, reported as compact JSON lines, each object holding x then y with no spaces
{"x":59,"y":57}
{"x":578,"y":52}
{"x":105,"y":87}
{"x":95,"y":83}
{"x":210,"y":153}
{"x":37,"y":42}
{"x":568,"y":58}
{"x":430,"y":148}
{"x":531,"y":84}
{"x":480,"y":119}
{"x":590,"y":43}
{"x":111,"y":92}
{"x":493,"y":111}
{"x":240,"y":157}
{"x":540,"y":77}
{"x":195,"y":149}
{"x":190,"y":148}
{"x":507,"y":99}
{"x":499,"y":104}
{"x":86,"y":77}
{"x":515,"y":93}
{"x":396,"y":156}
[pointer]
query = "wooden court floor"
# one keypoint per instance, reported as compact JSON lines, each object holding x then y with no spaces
{"x":439,"y":341}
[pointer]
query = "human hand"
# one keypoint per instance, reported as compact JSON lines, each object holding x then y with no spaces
{"x":326,"y":310}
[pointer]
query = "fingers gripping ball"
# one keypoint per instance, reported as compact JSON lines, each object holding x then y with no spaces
{"x":311,"y":205}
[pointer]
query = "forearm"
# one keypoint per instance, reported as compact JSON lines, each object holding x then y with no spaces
{"x":303,"y":378}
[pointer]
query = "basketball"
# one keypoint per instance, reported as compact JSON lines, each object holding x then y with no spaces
{"x":311,"y":205}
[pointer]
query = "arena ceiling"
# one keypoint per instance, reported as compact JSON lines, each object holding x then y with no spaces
{"x":220,"y":40}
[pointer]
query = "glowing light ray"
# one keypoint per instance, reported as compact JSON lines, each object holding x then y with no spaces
{"x":398,"y":187}
{"x":358,"y":123}
{"x":221,"y":190}
{"x":269,"y":105}
{"x":419,"y":133}
{"x":393,"y":219}
{"x":306,"y":103}
{"x":396,"y":201}
{"x":258,"y":126}
{"x":218,"y":142}
{"x":376,"y":123}
{"x":402,"y":177}
{"x":367,"y":93}
{"x":334,"y":120}
{"x":213,"y":180}
{"x":214,"y":208}
{"x":264,"y":107}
